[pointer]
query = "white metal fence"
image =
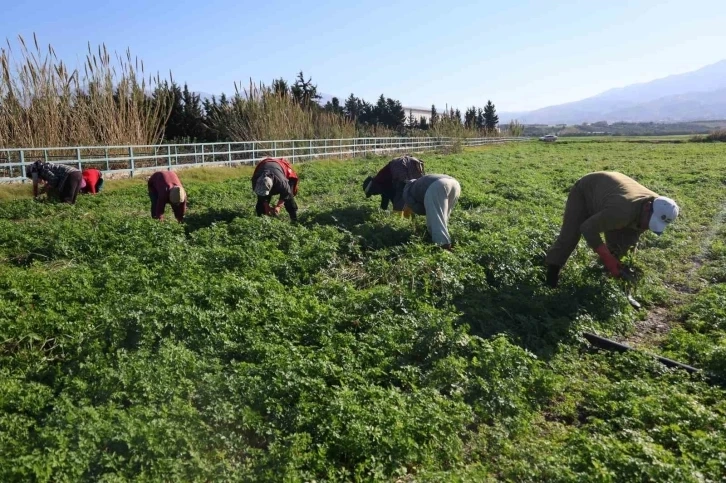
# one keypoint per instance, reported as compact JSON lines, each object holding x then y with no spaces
{"x":131,"y":160}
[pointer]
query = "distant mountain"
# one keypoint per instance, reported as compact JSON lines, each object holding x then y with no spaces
{"x":697,"y":95}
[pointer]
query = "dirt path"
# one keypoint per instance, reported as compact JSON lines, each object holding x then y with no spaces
{"x":651,"y":331}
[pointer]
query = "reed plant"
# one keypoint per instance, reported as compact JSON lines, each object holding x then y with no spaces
{"x":43,"y":102}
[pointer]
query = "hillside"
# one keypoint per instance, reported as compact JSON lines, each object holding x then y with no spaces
{"x":697,"y":95}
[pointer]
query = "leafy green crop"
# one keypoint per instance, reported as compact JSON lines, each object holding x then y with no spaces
{"x":347,"y":347}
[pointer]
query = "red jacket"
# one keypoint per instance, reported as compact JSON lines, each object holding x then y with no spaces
{"x":159,"y":185}
{"x":91,"y":176}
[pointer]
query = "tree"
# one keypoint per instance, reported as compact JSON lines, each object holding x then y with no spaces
{"x":490,"y":117}
{"x":479,"y":118}
{"x":352,"y":107}
{"x":175,"y":125}
{"x":304,"y":91}
{"x":457,"y":116}
{"x":423,"y":124}
{"x":396,"y":114}
{"x":470,"y":118}
{"x":434,"y":116}
{"x":334,"y":106}
{"x":192,"y":121}
{"x":367,"y":115}
{"x":411,"y":119}
{"x":280,"y":87}
{"x":381,"y":112}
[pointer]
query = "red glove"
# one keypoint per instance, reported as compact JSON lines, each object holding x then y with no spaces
{"x":610,"y":262}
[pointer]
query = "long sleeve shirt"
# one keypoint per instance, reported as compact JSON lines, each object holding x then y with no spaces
{"x":53,"y":174}
{"x":159,"y":185}
{"x":613,"y":201}
{"x":280,"y":184}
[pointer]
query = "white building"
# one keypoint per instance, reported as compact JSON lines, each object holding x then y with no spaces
{"x":418,"y":113}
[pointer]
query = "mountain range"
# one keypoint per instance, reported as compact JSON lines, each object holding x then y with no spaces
{"x":693,"y":96}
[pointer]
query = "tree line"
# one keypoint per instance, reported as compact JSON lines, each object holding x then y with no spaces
{"x":209,"y":120}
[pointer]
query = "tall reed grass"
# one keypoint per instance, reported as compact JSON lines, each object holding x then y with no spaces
{"x":260,"y":113}
{"x":45,"y":103}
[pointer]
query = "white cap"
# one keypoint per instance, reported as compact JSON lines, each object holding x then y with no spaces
{"x":665,"y":211}
{"x":263,"y":186}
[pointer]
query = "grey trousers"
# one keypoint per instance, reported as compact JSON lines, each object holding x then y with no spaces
{"x":439,"y":200}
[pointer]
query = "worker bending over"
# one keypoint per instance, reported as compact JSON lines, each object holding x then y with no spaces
{"x":165,"y":187}
{"x":92,"y":181}
{"x":275,"y":176}
{"x":433,"y":195}
{"x":613,"y":204}
{"x":60,"y":181}
{"x":391,"y":180}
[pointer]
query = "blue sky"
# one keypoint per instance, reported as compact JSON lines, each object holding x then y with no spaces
{"x":521,"y":55}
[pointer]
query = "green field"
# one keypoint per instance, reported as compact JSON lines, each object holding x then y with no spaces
{"x":236,"y":348}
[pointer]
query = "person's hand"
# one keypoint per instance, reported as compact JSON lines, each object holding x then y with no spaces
{"x":610,"y":262}
{"x":276,"y":211}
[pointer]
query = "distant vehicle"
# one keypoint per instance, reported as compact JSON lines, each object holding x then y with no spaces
{"x":550,"y":138}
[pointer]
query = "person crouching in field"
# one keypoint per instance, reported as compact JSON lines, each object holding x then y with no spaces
{"x":433,"y":195}
{"x":390,"y":181}
{"x":614,"y":204}
{"x":165,"y":187}
{"x":275,"y":176}
{"x":92,"y":181}
{"x":60,"y":181}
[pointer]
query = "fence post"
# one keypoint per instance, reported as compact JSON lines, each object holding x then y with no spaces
{"x":254,"y":163}
{"x":229,"y":154}
{"x":108,"y":168}
{"x":274,"y":149}
{"x":325,"y":149}
{"x":202,"y":153}
{"x":131,"y":156}
{"x":168,"y":158}
{"x":310,"y":153}
{"x":292,"y":160}
{"x":22,"y":164}
{"x":78,"y":157}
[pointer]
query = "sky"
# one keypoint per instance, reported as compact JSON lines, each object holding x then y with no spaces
{"x":522,"y":55}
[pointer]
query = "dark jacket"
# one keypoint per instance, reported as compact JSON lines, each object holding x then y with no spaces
{"x":280,"y":184}
{"x":53,"y":174}
{"x":391,"y":180}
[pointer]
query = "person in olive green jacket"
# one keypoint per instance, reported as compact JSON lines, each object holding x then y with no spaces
{"x":613,"y":204}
